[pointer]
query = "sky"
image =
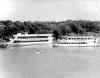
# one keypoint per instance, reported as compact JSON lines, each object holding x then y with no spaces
{"x":49,"y":10}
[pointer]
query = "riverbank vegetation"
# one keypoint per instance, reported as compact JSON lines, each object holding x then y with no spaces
{"x":8,"y":28}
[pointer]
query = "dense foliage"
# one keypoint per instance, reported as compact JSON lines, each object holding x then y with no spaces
{"x":8,"y":27}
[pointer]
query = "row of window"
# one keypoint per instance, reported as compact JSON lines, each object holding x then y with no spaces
{"x":74,"y":43}
{"x":17,"y":41}
{"x":25,"y":37}
{"x":78,"y":38}
{"x":35,"y":39}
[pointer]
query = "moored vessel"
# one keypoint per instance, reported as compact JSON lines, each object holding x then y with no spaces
{"x":31,"y":39}
{"x":77,"y":41}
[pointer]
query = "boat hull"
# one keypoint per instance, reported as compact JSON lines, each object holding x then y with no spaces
{"x":29,"y":44}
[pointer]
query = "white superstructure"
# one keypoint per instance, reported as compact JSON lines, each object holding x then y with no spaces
{"x":77,"y":41}
{"x":31,"y":39}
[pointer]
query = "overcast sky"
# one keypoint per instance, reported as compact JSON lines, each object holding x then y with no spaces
{"x":49,"y":10}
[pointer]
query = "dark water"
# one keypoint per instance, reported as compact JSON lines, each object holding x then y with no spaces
{"x":57,"y":62}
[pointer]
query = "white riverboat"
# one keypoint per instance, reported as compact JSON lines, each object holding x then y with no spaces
{"x":77,"y":41}
{"x":31,"y":39}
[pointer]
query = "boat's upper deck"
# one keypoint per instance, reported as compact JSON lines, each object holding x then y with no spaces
{"x":32,"y":38}
{"x":78,"y":37}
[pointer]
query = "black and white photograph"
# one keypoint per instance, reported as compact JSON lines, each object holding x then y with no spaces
{"x":49,"y":38}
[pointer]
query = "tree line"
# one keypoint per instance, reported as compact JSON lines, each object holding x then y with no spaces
{"x":8,"y":28}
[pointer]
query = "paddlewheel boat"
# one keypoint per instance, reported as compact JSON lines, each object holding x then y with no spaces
{"x":81,"y":41}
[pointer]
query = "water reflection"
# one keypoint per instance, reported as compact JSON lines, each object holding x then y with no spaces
{"x":57,"y":62}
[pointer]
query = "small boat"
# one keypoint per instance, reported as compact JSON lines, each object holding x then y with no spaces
{"x":3,"y":45}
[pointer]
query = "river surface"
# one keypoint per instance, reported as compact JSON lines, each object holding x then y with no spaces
{"x":47,"y":62}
